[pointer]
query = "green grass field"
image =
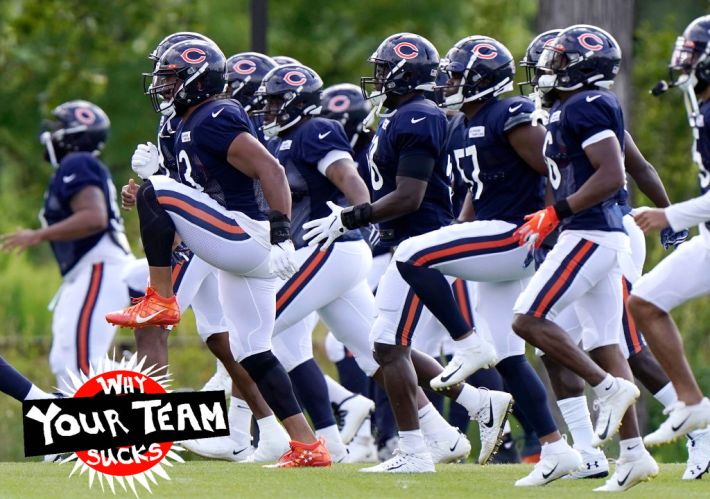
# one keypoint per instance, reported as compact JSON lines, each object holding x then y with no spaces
{"x":221,"y":479}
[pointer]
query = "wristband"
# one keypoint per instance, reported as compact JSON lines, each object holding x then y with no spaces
{"x":280,"y":227}
{"x":562,"y":209}
{"x":356,"y":216}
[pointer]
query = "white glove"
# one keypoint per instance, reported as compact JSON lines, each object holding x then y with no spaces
{"x":145,"y":160}
{"x":282,"y":260}
{"x":326,"y":229}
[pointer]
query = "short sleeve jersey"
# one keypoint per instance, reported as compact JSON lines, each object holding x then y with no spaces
{"x":299,"y":151}
{"x":583,"y":119}
{"x":77,"y":171}
{"x":201,"y":145}
{"x":503,"y":186}
{"x":416,"y":128}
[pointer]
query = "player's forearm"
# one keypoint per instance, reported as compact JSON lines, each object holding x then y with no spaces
{"x":649,"y":183}
{"x":689,"y":213}
{"x":81,"y":224}
{"x":405,"y":199}
{"x":467,"y":213}
{"x":603,"y":184}
{"x":352,"y":186}
{"x":276,"y":191}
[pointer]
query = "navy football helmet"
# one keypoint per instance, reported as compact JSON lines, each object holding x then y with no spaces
{"x":186,"y":74}
{"x":483,"y":68}
{"x":533,"y":53}
{"x":282,"y":60}
{"x":403,"y":63}
{"x":580,"y":56}
{"x":690,"y":64}
{"x":245,"y":72}
{"x":290,"y":93}
{"x":345,"y":103}
{"x":76,"y":125}
{"x":171,"y":40}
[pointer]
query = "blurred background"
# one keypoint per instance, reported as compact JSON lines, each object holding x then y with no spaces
{"x":52,"y":51}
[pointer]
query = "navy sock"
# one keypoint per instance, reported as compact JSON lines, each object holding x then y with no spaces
{"x":383,"y":419}
{"x":273,"y":382}
{"x":351,"y":376}
{"x":12,"y":382}
{"x":529,"y":393}
{"x":434,"y":291}
{"x":309,"y":382}
{"x":157,"y":228}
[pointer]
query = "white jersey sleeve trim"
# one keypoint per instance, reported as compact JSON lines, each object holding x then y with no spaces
{"x":332,"y":157}
{"x":597,"y":137}
{"x":689,"y":213}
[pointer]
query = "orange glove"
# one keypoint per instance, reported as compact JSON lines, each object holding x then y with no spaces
{"x":537,"y":226}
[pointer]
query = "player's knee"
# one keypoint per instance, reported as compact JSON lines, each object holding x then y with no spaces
{"x":523,"y":325}
{"x":389,"y":354}
{"x":404,"y":251}
{"x":259,"y":364}
{"x":642,"y":309}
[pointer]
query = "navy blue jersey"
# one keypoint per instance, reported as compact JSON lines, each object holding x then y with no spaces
{"x":417,"y":128}
{"x":201,"y":145}
{"x":299,"y":150}
{"x":454,"y":141}
{"x":573,"y":123}
{"x":77,"y":171}
{"x":702,"y":148}
{"x":166,"y":146}
{"x":258,"y":121}
{"x":363,"y":168}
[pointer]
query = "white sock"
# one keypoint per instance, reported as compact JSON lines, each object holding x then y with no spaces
{"x":333,"y":442}
{"x":600,"y":390}
{"x":336,"y":391}
{"x":269,"y":424}
{"x":412,"y":442}
{"x":666,"y":395}
{"x":239,"y":418}
{"x":431,"y":423}
{"x":470,"y":341}
{"x":631,"y":448}
{"x":365,"y":430}
{"x":36,"y":393}
{"x":470,"y":398}
{"x":554,"y":447}
{"x":579,"y":423}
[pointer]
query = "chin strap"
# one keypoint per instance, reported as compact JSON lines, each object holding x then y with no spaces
{"x":539,"y":115}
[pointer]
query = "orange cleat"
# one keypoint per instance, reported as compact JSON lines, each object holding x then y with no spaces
{"x":531,"y":459}
{"x":149,"y":310}
{"x":302,"y":455}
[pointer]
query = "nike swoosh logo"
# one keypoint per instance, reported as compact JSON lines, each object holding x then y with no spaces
{"x":415,"y":121}
{"x":632,"y":448}
{"x":607,"y":388}
{"x":489,"y":423}
{"x":321,"y":136}
{"x":547,"y":475}
{"x":676,"y":428}
{"x":591,"y":98}
{"x":622,"y":482}
{"x":216,"y":113}
{"x":141,"y":320}
{"x":512,"y":109}
{"x":444,"y":379}
{"x":237,"y":452}
{"x":602,"y":435}
{"x":451,"y":449}
{"x":68,"y":178}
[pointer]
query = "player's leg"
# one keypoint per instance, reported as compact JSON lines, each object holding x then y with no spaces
{"x":16,"y":385}
{"x":679,"y":277}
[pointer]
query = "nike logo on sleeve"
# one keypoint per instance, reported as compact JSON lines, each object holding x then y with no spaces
{"x":321,"y":136}
{"x":216,"y":113}
{"x":512,"y":109}
{"x":417,"y":120}
{"x":591,"y":98}
{"x":68,"y":178}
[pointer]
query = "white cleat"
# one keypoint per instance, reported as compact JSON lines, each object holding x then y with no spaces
{"x":594,"y":465}
{"x":362,"y":449}
{"x":464,"y":363}
{"x":352,"y":412}
{"x":404,"y":463}
{"x":698,"y":456}
{"x":612,"y":407}
{"x":271,"y":447}
{"x":495,"y":407}
{"x":453,"y":448}
{"x":552,"y":466}
{"x":630,"y":473}
{"x":219,"y":448}
{"x":682,"y":419}
{"x":220,"y":380}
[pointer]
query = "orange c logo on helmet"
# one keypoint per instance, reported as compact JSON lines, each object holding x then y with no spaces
{"x":339,"y":103}
{"x":406,"y":50}
{"x":295,"y":78}
{"x":484,"y":51}
{"x":193,"y":55}
{"x":84,"y":115}
{"x":590,"y":41}
{"x":244,"y":67}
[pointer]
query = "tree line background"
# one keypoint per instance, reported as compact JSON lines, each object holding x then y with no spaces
{"x":56,"y":50}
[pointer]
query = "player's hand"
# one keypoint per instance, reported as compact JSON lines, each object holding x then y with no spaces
{"x":282,"y":260}
{"x":674,"y":239}
{"x":20,"y":240}
{"x":325,"y":230}
{"x":145,"y":160}
{"x":536,"y":227}
{"x":649,"y":219}
{"x":128,"y":195}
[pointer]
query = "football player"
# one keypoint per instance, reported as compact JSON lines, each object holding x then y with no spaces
{"x":81,"y":221}
{"x":216,"y":211}
{"x":17,"y":386}
{"x":654,"y":296}
{"x":583,"y":151}
{"x":407,"y":162}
